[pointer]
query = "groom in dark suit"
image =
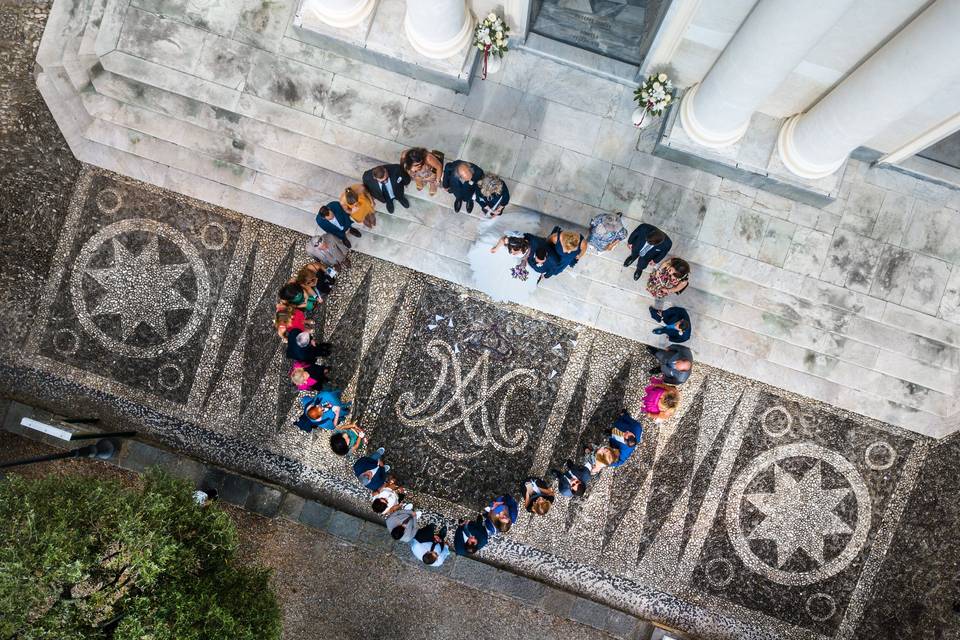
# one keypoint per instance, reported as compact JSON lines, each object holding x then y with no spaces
{"x":542,"y":259}
{"x":334,"y":220}
{"x":385,"y":183}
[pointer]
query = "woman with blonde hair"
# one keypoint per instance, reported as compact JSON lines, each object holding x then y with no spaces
{"x":600,"y":457}
{"x":660,"y":401}
{"x":308,"y":376}
{"x":492,"y":195}
{"x":425,"y":168}
{"x":569,"y":246}
{"x":289,"y":317}
{"x":358,"y":203}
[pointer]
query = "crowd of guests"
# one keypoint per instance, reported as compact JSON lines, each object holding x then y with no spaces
{"x":323,"y":408}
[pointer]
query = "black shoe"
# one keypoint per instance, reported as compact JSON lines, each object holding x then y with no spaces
{"x":637,"y":274}
{"x":354,"y":232}
{"x":651,"y":350}
{"x":390,"y":206}
{"x":403,"y":202}
{"x":457,"y":204}
{"x":654,"y":371}
{"x":346,"y":243}
{"x":469,"y":206}
{"x":630,"y":260}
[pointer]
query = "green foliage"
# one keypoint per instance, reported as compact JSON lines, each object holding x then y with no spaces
{"x":87,"y":558}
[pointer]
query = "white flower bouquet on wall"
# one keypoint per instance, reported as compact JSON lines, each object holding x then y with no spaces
{"x":491,"y":36}
{"x":653,"y":96}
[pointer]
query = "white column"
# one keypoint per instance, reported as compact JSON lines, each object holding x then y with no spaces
{"x":438,"y":28}
{"x":917,"y":62}
{"x":336,"y":13}
{"x":769,"y":44}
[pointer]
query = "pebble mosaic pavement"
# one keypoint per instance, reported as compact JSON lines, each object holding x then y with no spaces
{"x":675,"y":536}
{"x":750,"y":501}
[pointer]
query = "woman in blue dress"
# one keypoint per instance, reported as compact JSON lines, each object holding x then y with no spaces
{"x":326,"y":410}
{"x":569,"y":247}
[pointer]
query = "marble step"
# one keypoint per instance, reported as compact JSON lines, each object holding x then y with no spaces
{"x":223,"y":147}
{"x":582,"y":59}
{"x":353,"y":162}
{"x":826,"y":298}
{"x":788,"y":354}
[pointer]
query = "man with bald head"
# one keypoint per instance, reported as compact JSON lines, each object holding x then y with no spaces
{"x":461,"y":179}
{"x":675,"y":363}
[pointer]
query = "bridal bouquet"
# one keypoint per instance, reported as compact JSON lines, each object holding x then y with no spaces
{"x":491,"y":36}
{"x":654,"y":95}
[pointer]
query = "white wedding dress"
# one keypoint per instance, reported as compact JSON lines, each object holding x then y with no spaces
{"x":492,"y":272}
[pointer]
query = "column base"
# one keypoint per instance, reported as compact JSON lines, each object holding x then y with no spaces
{"x":339,"y":19}
{"x":696,"y":131}
{"x":792,"y":159}
{"x":440,"y":50}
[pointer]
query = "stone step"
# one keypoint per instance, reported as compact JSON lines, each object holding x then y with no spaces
{"x":581,"y":59}
{"x":289,"y":169}
{"x":348,"y":164}
{"x":735,"y":337}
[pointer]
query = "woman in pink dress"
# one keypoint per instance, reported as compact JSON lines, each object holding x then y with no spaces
{"x":660,"y":401}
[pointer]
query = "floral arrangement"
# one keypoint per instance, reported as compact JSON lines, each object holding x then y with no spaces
{"x":491,"y":36}
{"x":654,"y":95}
{"x":520,"y":271}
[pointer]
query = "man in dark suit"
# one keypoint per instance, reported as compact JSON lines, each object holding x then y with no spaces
{"x":676,"y":323}
{"x":624,"y":436}
{"x":385,"y":183}
{"x":470,"y":536}
{"x":460,"y":178}
{"x":334,"y":220}
{"x":302,"y":348}
{"x":542,"y":258}
{"x":674,"y":363}
{"x":573,"y":481}
{"x":648,"y":245}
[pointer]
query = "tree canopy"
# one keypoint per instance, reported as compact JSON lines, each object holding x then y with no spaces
{"x":90,"y":558}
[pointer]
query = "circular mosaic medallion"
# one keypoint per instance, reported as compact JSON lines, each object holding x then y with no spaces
{"x":139,"y":288}
{"x":66,"y":342}
{"x":798,"y":514}
{"x":109,"y":201}
{"x":213,"y":236}
{"x":888,"y":457}
{"x":719,"y":572}
{"x":170,"y":376}
{"x":821,"y":606}
{"x":769,"y":421}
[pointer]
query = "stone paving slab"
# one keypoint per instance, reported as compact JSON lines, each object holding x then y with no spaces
{"x":574,"y":154}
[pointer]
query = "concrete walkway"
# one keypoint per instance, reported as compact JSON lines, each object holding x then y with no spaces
{"x":856,"y":304}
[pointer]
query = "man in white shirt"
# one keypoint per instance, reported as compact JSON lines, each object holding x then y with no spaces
{"x":429,"y":547}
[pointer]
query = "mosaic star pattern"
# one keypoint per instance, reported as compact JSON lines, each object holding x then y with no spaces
{"x":750,"y":500}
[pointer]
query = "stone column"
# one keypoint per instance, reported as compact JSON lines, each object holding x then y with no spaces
{"x":438,"y":28}
{"x":917,"y":62}
{"x":342,"y":14}
{"x":769,"y":44}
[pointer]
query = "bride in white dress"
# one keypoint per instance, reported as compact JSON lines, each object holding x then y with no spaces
{"x":499,"y":258}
